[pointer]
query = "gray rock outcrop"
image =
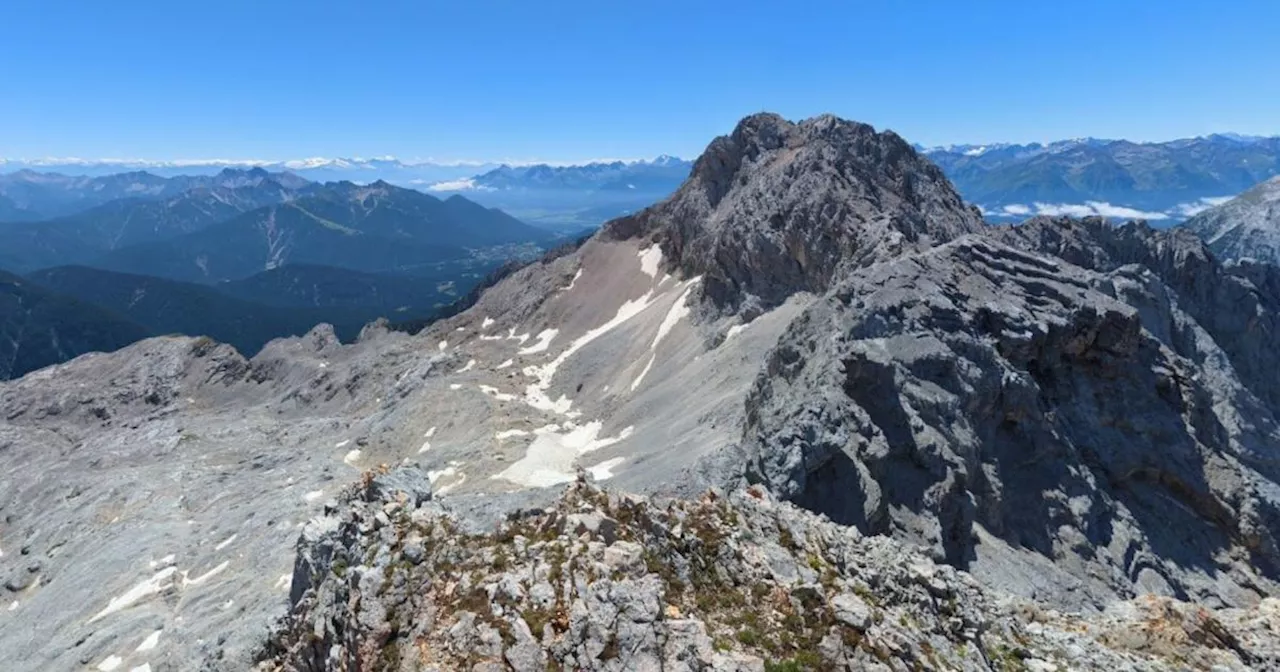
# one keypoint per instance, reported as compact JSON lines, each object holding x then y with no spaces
{"x":778,"y":207}
{"x":601,"y":581}
{"x":1246,"y":227}
{"x":979,"y":390}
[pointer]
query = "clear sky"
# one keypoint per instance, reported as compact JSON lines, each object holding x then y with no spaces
{"x":569,"y":80}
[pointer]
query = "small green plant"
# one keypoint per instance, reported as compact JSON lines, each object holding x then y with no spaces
{"x":749,"y":637}
{"x":785,"y":538}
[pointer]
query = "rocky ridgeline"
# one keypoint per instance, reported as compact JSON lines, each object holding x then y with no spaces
{"x":778,"y":207}
{"x":389,"y":580}
{"x":1246,"y":227}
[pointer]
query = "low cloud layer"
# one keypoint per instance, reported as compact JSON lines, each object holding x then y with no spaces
{"x":1104,"y":209}
{"x":1196,"y":207}
{"x":467,"y":184}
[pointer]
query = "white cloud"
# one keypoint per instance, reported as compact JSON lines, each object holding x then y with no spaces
{"x":465,"y":184}
{"x":1196,"y":207}
{"x":1064,"y":210}
{"x":1086,"y":209}
{"x":1191,"y":209}
{"x":1121,"y":212}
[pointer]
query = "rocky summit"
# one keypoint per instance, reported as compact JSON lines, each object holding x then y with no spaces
{"x":806,"y":413}
{"x":740,"y":582}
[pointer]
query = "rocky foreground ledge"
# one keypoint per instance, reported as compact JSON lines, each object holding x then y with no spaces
{"x":388,"y":579}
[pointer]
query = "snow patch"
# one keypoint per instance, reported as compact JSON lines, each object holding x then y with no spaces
{"x":572,"y":282}
{"x":678,"y":310}
{"x":650,"y":260}
{"x":226,"y":542}
{"x":536,"y":393}
{"x":493,"y":392}
{"x":471,"y":364}
{"x":111,"y":663}
{"x":438,"y":474}
{"x":145,"y":667}
{"x":166,"y":560}
{"x":506,"y":434}
{"x":455,"y":386}
{"x":150,"y":642}
{"x":544,"y":341}
{"x":158,"y":582}
{"x":444,"y":489}
{"x":488,"y":321}
{"x":204,"y":577}
{"x":426,"y":445}
{"x":734,"y":330}
{"x":342,"y":443}
{"x":430,"y":433}
{"x":313,"y":495}
{"x":352,"y":456}
{"x":604,"y":470}
{"x":283,"y":582}
{"x":550,"y":458}
{"x":643,"y":372}
{"x":505,"y":364}
{"x":443,"y":345}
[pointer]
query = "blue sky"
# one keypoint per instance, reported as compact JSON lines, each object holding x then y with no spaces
{"x":570,"y":80}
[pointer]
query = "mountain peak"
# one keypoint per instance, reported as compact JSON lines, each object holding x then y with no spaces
{"x":775,"y":207}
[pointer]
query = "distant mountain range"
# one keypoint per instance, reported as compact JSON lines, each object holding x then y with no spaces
{"x":571,"y":198}
{"x":136,"y":220}
{"x":314,"y":169}
{"x":1163,"y":182}
{"x":27,"y":195}
{"x":377,"y":228}
{"x":242,"y":255}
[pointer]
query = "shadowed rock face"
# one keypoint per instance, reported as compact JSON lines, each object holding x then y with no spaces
{"x":1076,"y":415}
{"x":1072,"y":412}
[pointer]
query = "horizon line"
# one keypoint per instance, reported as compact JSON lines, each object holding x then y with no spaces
{"x":316,"y":162}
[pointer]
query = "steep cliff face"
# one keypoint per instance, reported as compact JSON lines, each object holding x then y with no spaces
{"x":777,"y":208}
{"x":1008,"y":409}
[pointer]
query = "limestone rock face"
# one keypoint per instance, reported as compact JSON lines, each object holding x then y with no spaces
{"x":976,"y":390}
{"x":737,"y":582}
{"x":778,"y":207}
